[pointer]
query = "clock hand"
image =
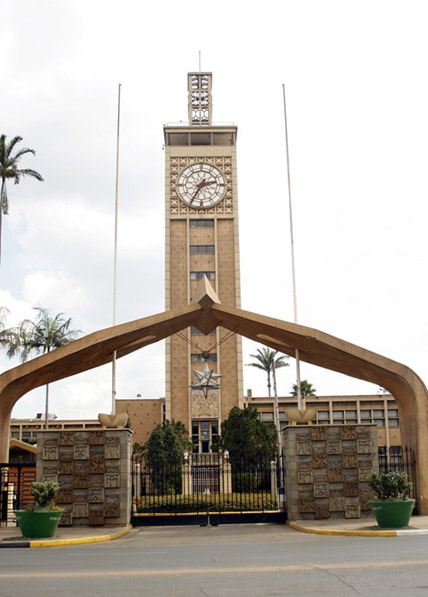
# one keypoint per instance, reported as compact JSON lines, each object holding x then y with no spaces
{"x":200,"y":186}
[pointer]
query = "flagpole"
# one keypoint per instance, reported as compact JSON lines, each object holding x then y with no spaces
{"x":293,"y":269}
{"x":113,"y":391}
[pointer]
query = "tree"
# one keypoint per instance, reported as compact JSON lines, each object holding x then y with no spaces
{"x":43,"y":335}
{"x":306,"y":389}
{"x":246,"y":437}
{"x":265,"y":357}
{"x":9,"y":170}
{"x":167,"y":443}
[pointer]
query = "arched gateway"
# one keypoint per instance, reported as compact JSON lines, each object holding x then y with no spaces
{"x":206,"y":313}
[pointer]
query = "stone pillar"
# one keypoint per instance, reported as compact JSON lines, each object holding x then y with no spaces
{"x":94,"y":471}
{"x":326,"y":470}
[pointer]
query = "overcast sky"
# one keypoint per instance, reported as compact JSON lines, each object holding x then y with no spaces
{"x":357,"y":97}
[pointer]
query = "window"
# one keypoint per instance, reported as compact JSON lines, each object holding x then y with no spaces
{"x":338,"y":417}
{"x":282,"y":416}
{"x":323,"y":417}
{"x":195,"y":332}
{"x":201,"y":223}
{"x":393,"y":420}
{"x":366,"y":415}
{"x":379,"y":417}
{"x":267,"y":417}
{"x":350,"y":416}
{"x":204,"y":433}
{"x":198,"y":358}
{"x":200,"y":275}
{"x":195,"y":249}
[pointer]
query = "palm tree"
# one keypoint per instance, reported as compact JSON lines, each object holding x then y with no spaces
{"x":9,"y":169}
{"x":40,"y":336}
{"x":306,"y":389}
{"x":265,"y":357}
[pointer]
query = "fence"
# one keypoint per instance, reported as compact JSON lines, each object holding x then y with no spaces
{"x":204,"y":485}
{"x":15,"y":481}
{"x":400,"y":459}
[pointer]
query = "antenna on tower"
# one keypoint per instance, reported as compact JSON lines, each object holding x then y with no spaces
{"x":200,"y":61}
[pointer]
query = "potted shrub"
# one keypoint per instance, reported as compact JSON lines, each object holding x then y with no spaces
{"x":41,"y":520}
{"x":392,"y":507}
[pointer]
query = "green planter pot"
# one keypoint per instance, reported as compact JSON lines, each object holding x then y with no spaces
{"x":392,"y":514}
{"x":38,"y":525}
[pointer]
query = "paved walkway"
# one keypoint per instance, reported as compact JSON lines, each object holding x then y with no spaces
{"x":11,"y":536}
{"x":366,"y":527}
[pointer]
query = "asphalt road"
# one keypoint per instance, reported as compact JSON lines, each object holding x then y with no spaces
{"x":225,"y":560}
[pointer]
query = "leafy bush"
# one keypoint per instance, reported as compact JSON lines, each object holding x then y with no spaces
{"x":391,"y":485}
{"x":233,"y":502}
{"x":44,"y":492}
{"x":242,"y":482}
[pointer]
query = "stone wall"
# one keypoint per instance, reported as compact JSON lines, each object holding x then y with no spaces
{"x":93,"y":468}
{"x":326,"y":470}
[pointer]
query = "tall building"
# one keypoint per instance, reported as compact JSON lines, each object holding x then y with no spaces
{"x":201,"y":239}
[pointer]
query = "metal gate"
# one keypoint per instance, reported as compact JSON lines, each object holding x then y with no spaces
{"x":205,"y":489}
{"x":15,"y":482}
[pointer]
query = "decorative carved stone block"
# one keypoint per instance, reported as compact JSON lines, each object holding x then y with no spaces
{"x":364,"y":473}
{"x":306,"y":502}
{"x":364,"y":446}
{"x":50,"y":442}
{"x":112,"y":451}
{"x":109,"y":468}
{"x":67,"y":517}
{"x":350,"y":474}
{"x":80,"y":481}
{"x":337,"y":504}
{"x":335,"y":474}
{"x":80,"y":510}
{"x":96,"y":495}
{"x":352,"y":511}
{"x":66,"y":438}
{"x":81,"y":452}
{"x":112,"y":506}
{"x":65,"y":455}
{"x":50,"y":478}
{"x":96,"y":516}
{"x":96,"y":438}
{"x":333,"y":434}
{"x":96,"y":463}
{"x":318,"y":433}
{"x":349,"y":447}
{"x":305,"y":476}
{"x":81,"y":438}
{"x":350,"y":488}
{"x":349,"y":432}
{"x":304,"y":436}
{"x":363,"y":434}
{"x":96,"y":481}
{"x":303,"y":448}
{"x":349,"y":461}
{"x":321,"y":490}
{"x":50,"y":452}
{"x":112,"y":440}
{"x":334,"y":447}
{"x":365,"y":496}
{"x":50,"y":469}
{"x":65,"y":467}
{"x":111,"y":480}
{"x":81,"y":467}
{"x":320,"y":476}
{"x":321,"y":511}
{"x":319,"y":461}
{"x":65,"y":495}
{"x":319,"y":448}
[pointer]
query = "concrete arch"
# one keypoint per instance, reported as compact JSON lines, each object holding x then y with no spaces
{"x":206,"y":313}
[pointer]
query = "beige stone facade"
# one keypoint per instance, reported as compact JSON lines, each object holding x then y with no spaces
{"x":201,"y":238}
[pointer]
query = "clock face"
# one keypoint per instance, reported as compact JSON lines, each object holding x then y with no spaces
{"x":201,"y":185}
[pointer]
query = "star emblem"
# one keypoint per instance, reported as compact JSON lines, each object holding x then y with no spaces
{"x":206,"y":380}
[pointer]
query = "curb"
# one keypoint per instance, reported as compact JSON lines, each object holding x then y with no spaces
{"x":389,"y":533}
{"x":63,"y":542}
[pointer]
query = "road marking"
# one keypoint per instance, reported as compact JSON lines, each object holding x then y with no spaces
{"x":232,"y":570}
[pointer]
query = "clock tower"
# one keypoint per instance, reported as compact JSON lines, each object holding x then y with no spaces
{"x":201,"y":239}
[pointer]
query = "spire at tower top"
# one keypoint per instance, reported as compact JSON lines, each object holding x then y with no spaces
{"x":200,"y":101}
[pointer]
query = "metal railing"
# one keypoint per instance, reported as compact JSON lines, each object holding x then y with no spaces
{"x":15,"y":482}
